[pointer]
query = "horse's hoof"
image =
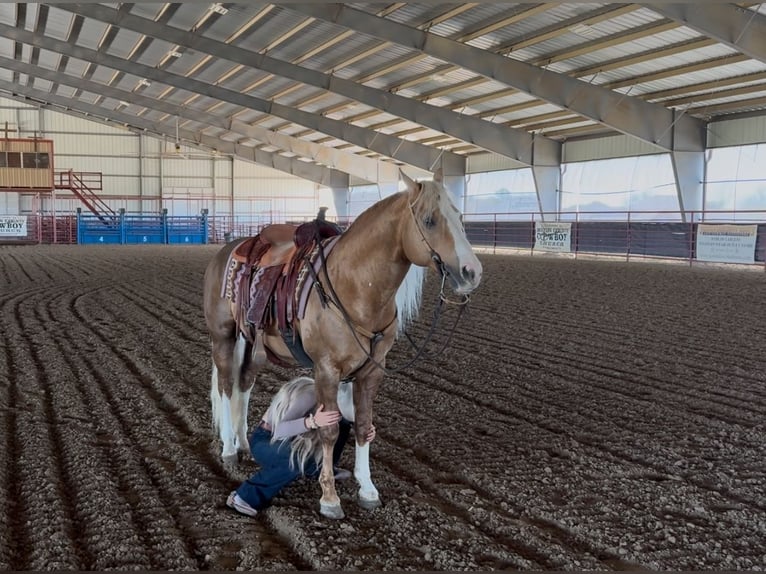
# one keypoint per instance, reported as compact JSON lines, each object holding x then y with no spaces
{"x":230,"y":459}
{"x":370,"y":503}
{"x":335,"y":512}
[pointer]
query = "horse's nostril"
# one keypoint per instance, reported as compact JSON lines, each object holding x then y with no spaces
{"x":468,"y":273}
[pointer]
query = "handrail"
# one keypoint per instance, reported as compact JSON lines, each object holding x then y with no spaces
{"x":75,"y":182}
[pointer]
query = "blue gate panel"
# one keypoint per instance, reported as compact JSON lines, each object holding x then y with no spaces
{"x":190,"y":230}
{"x":144,"y":229}
{"x":104,"y":237}
{"x":95,"y":229}
{"x":141,"y":229}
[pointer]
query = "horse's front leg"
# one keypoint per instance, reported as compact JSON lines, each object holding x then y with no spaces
{"x":365,"y":389}
{"x":327,"y":395}
{"x":329,"y":504}
{"x":368,"y":494}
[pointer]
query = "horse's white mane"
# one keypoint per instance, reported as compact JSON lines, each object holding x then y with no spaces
{"x":408,"y":297}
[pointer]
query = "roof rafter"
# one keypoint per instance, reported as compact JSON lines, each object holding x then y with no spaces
{"x":391,"y":66}
{"x":515,"y":144}
{"x":547,"y":33}
{"x":310,"y":171}
{"x":737,"y":27}
{"x":414,"y":154}
{"x":353,"y":164}
{"x":646,"y":121}
{"x":709,"y":85}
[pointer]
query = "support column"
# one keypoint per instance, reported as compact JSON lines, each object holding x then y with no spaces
{"x":689,"y":169}
{"x":546,"y":171}
{"x":340,"y":197}
{"x":547,"y":179}
{"x":453,"y":173}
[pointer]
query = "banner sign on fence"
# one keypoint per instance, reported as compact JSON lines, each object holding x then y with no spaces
{"x":553,"y":237}
{"x":726,"y":243}
{"x":13,"y":225}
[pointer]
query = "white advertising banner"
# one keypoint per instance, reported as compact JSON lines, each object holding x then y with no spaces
{"x":553,"y":237}
{"x":726,"y":243}
{"x":13,"y":225}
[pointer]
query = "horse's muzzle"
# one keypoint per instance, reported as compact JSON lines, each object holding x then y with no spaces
{"x":465,"y":281}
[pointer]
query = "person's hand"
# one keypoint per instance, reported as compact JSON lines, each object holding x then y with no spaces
{"x":324,"y":418}
{"x":370,"y":434}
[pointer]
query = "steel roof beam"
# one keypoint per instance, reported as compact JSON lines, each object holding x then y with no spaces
{"x":414,"y":154}
{"x":708,"y":64}
{"x":309,"y":171}
{"x":737,"y":27}
{"x":702,"y":86}
{"x":353,"y":164}
{"x":516,"y":144}
{"x":630,"y":115}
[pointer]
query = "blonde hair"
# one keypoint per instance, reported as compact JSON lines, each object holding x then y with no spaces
{"x":303,"y":446}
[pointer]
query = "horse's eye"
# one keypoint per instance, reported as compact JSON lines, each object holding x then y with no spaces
{"x":429,"y":221}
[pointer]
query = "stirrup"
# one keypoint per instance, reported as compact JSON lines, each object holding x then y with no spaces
{"x":259,"y":352}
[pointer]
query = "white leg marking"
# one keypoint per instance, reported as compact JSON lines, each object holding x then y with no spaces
{"x":240,"y":403}
{"x":367,"y":491}
{"x":215,"y":399}
{"x":235,"y":406}
{"x":226,"y":430}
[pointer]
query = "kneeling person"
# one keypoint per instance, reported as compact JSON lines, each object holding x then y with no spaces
{"x":286,"y":444}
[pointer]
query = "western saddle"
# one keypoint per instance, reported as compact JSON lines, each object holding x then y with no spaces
{"x":269,"y":276}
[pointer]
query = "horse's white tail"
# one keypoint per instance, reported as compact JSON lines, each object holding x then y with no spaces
{"x":229,"y":414}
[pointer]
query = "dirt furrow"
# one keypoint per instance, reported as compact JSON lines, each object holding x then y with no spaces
{"x":114,"y":495}
{"x":614,"y":376}
{"x":448,"y":489}
{"x":675,"y":459}
{"x":39,"y":494}
{"x":171,"y":446}
{"x":586,"y":415}
{"x":449,"y":477}
{"x":652,"y":359}
{"x":567,"y":460}
{"x":13,"y":534}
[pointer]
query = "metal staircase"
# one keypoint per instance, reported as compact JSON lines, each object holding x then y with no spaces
{"x":84,"y":185}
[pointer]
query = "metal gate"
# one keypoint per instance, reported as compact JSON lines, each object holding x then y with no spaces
{"x":134,"y":228}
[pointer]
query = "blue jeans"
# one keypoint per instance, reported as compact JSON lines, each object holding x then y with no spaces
{"x":275,"y":472}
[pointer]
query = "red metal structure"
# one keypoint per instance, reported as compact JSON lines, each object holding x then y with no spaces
{"x":84,"y":185}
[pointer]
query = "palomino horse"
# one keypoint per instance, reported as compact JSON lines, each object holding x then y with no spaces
{"x":348,"y":321}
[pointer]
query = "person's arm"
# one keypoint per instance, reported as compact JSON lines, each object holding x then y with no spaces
{"x":289,"y":429}
{"x":294,"y":427}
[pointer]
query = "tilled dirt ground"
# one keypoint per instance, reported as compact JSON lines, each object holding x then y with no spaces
{"x":586,"y":415}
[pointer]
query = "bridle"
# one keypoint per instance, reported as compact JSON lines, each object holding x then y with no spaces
{"x":435,"y":257}
{"x":375,"y":337}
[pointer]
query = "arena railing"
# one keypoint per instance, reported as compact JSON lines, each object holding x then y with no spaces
{"x":628,"y":235}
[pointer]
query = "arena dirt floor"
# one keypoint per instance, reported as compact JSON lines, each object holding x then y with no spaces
{"x":587,"y":415}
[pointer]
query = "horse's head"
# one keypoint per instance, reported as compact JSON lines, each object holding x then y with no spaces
{"x":436,"y":236}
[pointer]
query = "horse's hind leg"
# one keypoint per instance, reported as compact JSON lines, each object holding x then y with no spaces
{"x":226,"y":363}
{"x":240,"y":398}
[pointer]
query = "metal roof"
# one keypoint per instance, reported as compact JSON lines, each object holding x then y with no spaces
{"x":465,"y":77}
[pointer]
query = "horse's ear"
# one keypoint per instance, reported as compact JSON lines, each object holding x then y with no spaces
{"x":439,"y":176}
{"x":409,"y":183}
